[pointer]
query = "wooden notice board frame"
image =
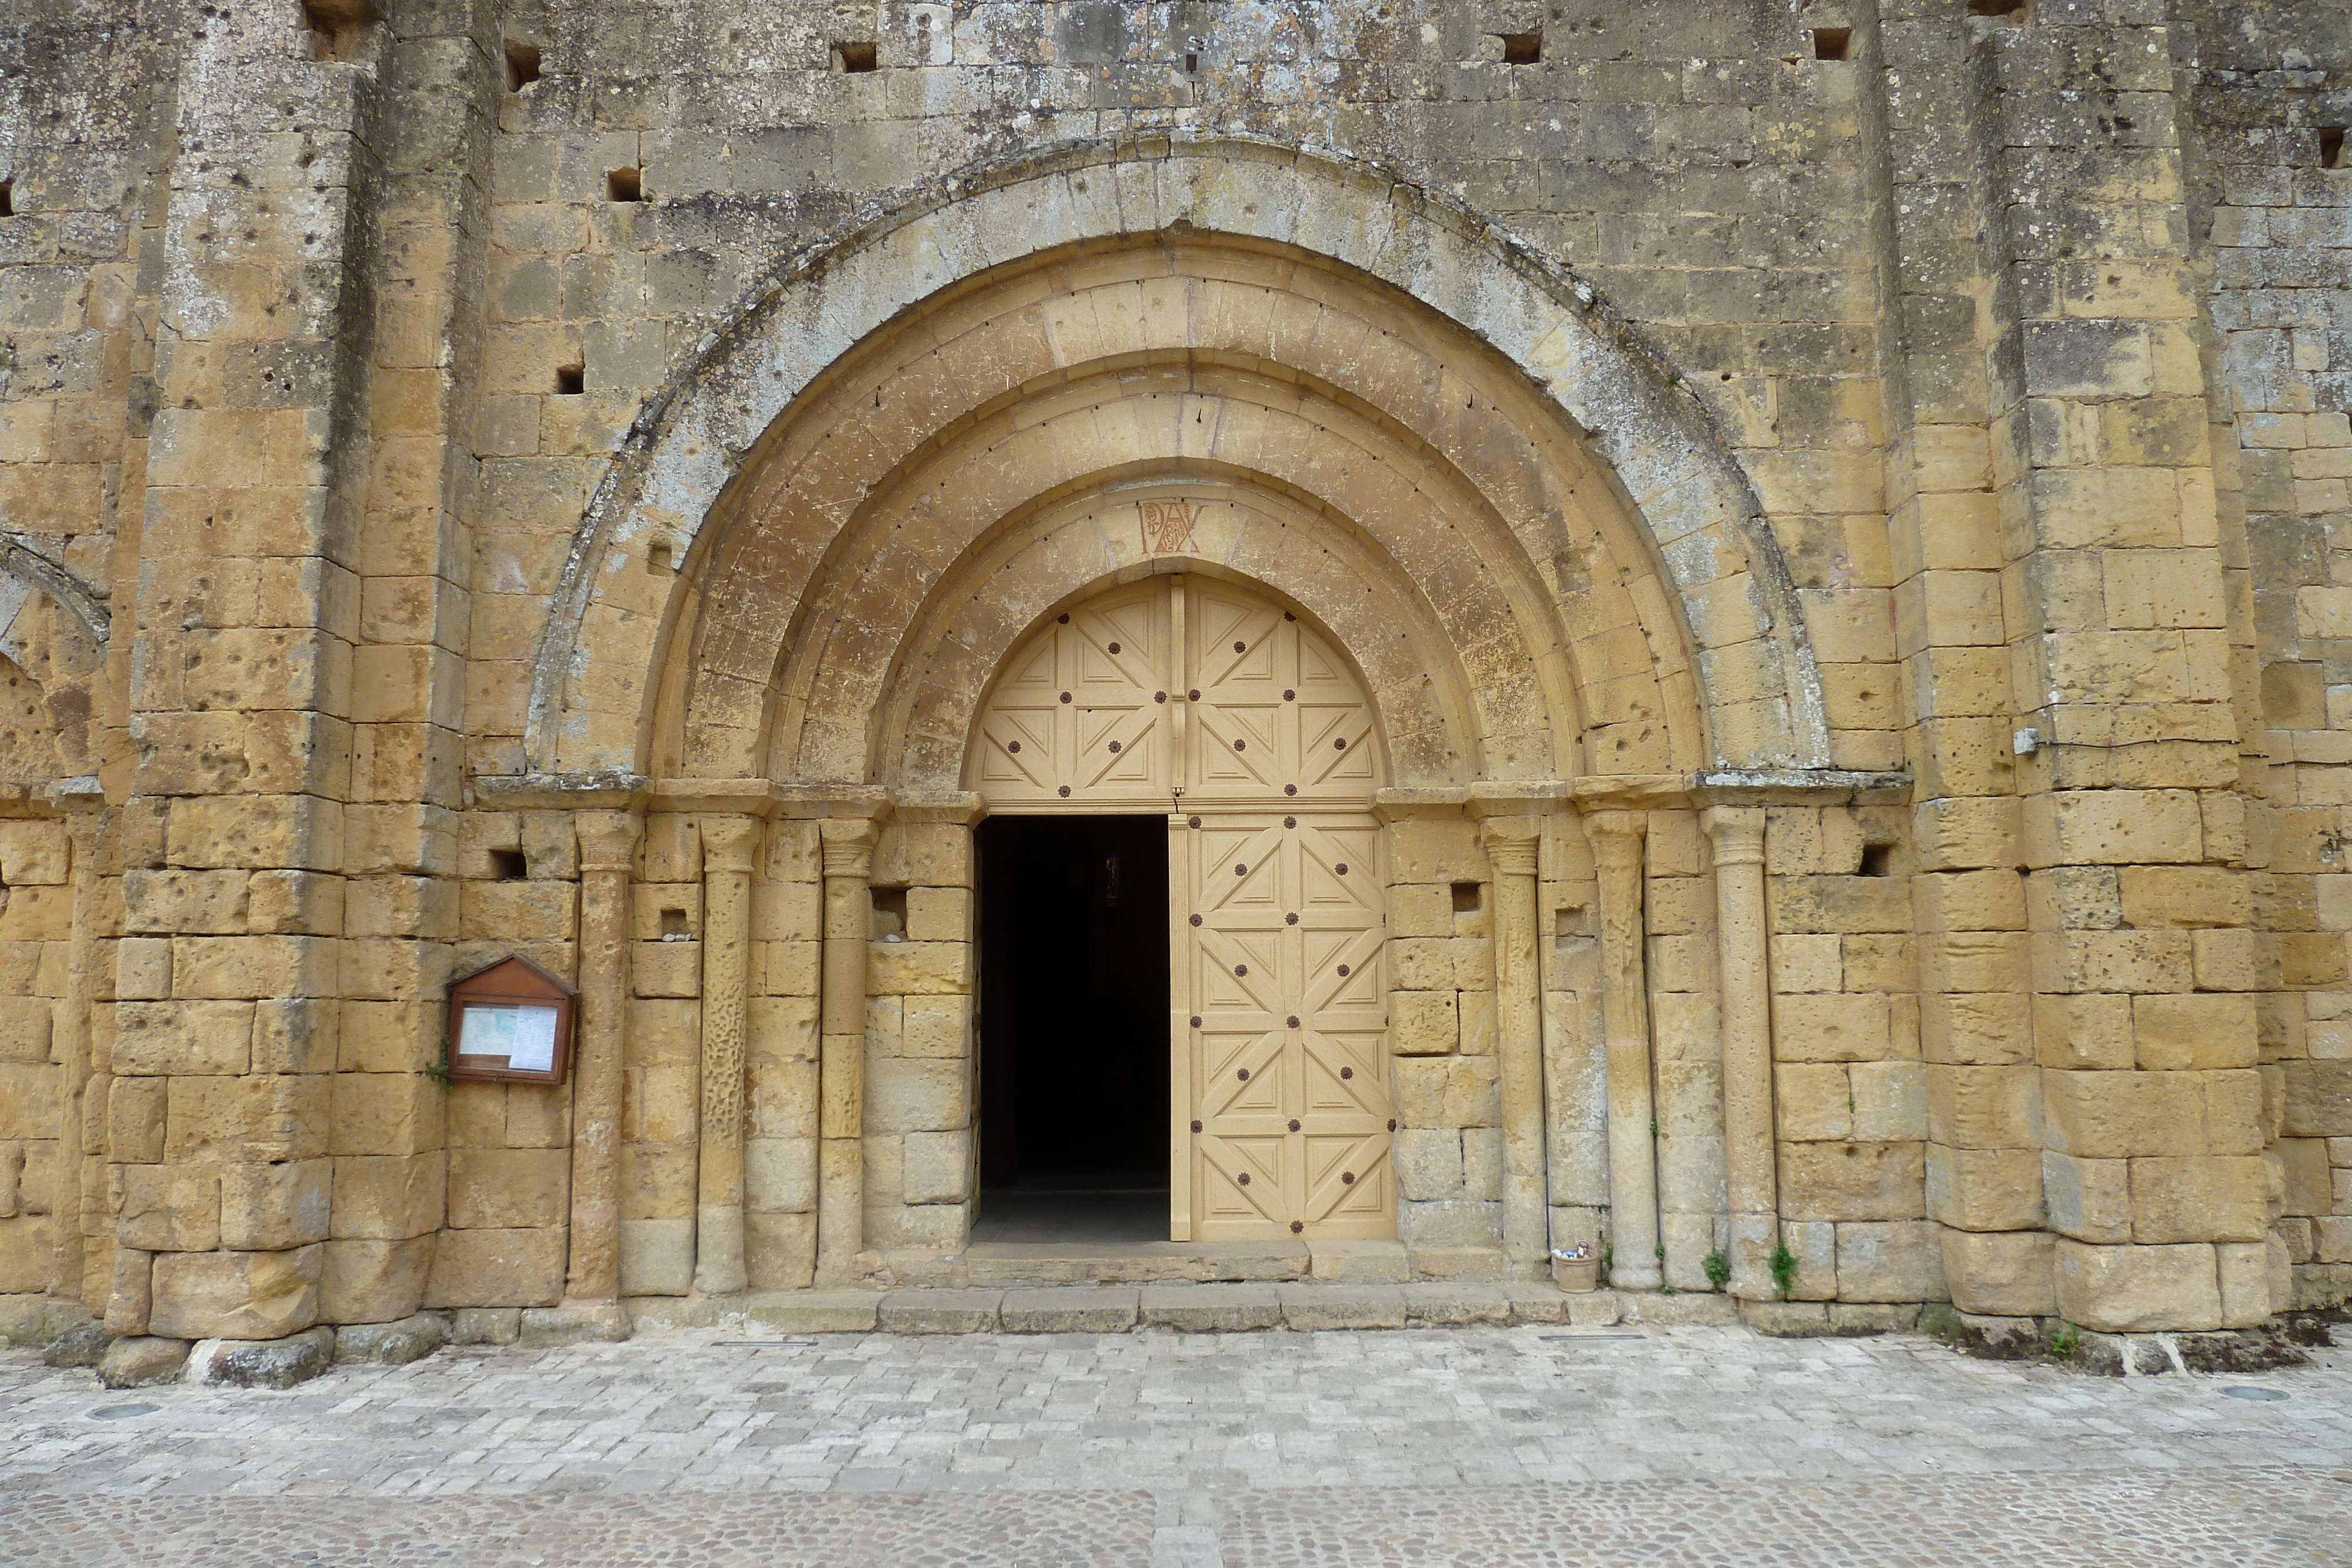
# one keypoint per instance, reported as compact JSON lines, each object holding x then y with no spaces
{"x":521,"y":988}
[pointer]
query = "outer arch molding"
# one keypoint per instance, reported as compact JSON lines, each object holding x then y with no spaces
{"x":1679,"y":477}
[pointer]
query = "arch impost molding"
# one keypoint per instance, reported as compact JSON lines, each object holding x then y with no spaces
{"x":1667,"y":457}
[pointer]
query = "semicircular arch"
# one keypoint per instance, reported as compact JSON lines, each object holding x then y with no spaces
{"x":1654,"y":570}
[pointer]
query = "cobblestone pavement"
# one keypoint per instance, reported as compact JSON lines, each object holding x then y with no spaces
{"x":1473,"y":1447}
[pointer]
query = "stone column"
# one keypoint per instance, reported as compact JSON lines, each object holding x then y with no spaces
{"x":607,"y":845}
{"x":729,"y":847}
{"x":1511,"y":846}
{"x":1617,"y":842}
{"x":848,"y":844}
{"x":1743,"y":961}
{"x":78,"y":1226}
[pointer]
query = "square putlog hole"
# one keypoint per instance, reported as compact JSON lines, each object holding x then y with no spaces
{"x":1522,"y":48}
{"x":2007,"y":13}
{"x":508,"y":865}
{"x":1833,"y":43}
{"x":2331,"y":148}
{"x":571,"y":380}
{"x":522,"y":64}
{"x":624,"y":185}
{"x":889,"y":912}
{"x":855,"y":58}
{"x":338,"y":27}
{"x":1466,"y":897}
{"x":7,"y":198}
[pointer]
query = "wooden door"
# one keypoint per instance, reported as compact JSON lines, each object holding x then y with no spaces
{"x":1283,"y":1116}
{"x":1195,"y":696}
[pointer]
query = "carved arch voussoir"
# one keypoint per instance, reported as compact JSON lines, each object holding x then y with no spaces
{"x":1673,"y":469}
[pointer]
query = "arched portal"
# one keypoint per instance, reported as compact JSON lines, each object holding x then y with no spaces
{"x":1208,"y":703}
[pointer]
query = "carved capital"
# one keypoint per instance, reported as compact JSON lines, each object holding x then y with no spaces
{"x":1616,"y":836}
{"x":608,"y":840}
{"x":730,"y":843}
{"x":1513,"y":844}
{"x":848,"y":845}
{"x":1736,"y":833}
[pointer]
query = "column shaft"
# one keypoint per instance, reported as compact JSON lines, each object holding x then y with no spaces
{"x":1511,"y":847}
{"x":841,"y":1069}
{"x":607,"y":844}
{"x":1743,"y":962}
{"x":72,"y":1220}
{"x":1617,"y":840}
{"x":729,"y":845}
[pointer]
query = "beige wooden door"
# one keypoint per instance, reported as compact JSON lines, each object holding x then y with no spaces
{"x":1191,"y":695}
{"x":1280,"y":1002}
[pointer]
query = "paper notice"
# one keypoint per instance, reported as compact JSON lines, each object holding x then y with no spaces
{"x":525,"y":1036}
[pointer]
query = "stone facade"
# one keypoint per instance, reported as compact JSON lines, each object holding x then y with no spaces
{"x":1839,"y":511}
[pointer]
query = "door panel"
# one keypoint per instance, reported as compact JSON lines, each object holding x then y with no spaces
{"x":1281,"y":1027}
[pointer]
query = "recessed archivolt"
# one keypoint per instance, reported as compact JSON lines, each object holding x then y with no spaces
{"x":957,"y":328}
{"x":1069,"y":546}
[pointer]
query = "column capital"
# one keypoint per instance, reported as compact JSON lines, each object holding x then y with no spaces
{"x":608,"y":840}
{"x":729,"y":842}
{"x":1736,"y":833}
{"x":1616,"y":836}
{"x":848,"y":844}
{"x":1512,"y":844}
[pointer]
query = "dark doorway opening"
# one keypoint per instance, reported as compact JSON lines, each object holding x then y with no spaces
{"x":1073,"y":1055}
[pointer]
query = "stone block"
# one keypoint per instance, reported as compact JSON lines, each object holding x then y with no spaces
{"x":143,"y":1362}
{"x":573,"y":1322}
{"x":81,"y":1341}
{"x":935,"y":1167}
{"x":253,"y":1119}
{"x":264,"y":1207}
{"x":2200,"y":1198}
{"x":1825,"y":1026}
{"x":1983,"y":1107}
{"x":498,"y":1269}
{"x":1852,"y":1181}
{"x":1358,"y":1263}
{"x":1428,"y":1163}
{"x":1209,"y":1309}
{"x":1070,"y":1308}
{"x":780,"y":1250}
{"x":189,"y":1037}
{"x":2089,"y":1200}
{"x":508,"y":1189}
{"x":2001,"y":1273}
{"x":919,"y":968}
{"x":1903,"y":1261}
{"x":656,"y":1256}
{"x":2249,"y":1284}
{"x":411,"y":1338}
{"x":370,"y":1279}
{"x":904,"y":1095}
{"x":24,"y":1029}
{"x":2316,"y":1099}
{"x":485,"y":1326}
{"x":1318,"y":1306}
{"x":1984,"y":1189}
{"x":1423,"y":1023}
{"x":2138,"y":1290}
{"x":2203,"y":1030}
{"x":2110,"y":1115}
{"x":389,"y":1197}
{"x":263,"y":1364}
{"x":236,"y":1295}
{"x":940,"y":1311}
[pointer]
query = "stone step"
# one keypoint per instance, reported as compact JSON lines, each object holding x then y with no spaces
{"x":1181,"y":1306}
{"x":1133,"y":1263}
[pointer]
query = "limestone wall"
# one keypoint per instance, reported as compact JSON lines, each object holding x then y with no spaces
{"x":2024,"y":336}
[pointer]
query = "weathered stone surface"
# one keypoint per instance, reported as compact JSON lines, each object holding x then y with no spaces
{"x":141,"y":1362}
{"x":1069,"y":1308}
{"x":1209,"y":1309}
{"x":411,"y":1338}
{"x":236,"y":1295}
{"x":263,"y":1364}
{"x":83,"y":1343}
{"x":1306,"y":1306}
{"x":940,"y":1311}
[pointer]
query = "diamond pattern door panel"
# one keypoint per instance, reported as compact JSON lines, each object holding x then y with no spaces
{"x":1081,"y":714}
{"x":1279,"y":714}
{"x":1284,"y":1102}
{"x":1177,"y":688}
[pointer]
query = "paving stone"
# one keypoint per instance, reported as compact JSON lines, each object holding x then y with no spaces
{"x":1211,"y":1309}
{"x":1070,"y":1308}
{"x":1478,"y":1445}
{"x":940,"y":1311}
{"x":1343,"y":1306}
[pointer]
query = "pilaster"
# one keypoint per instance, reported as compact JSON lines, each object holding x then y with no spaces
{"x":730,"y":850}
